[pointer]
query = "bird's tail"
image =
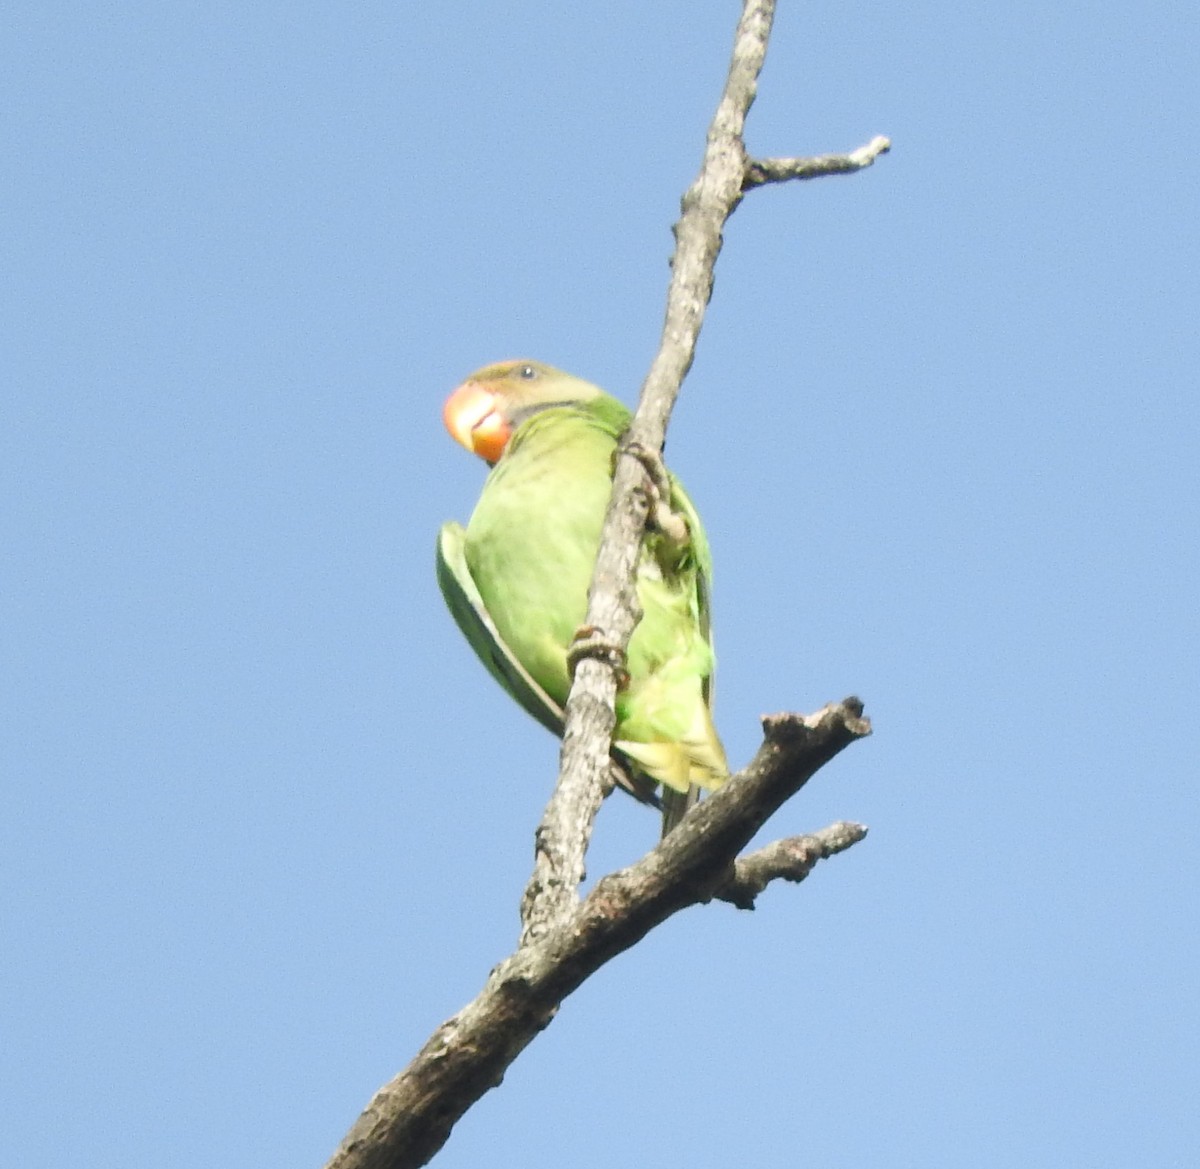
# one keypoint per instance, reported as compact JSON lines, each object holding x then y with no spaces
{"x":676,"y":805}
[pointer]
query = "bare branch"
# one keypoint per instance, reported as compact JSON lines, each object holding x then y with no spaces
{"x":760,"y":171}
{"x":791,"y":859}
{"x":565,"y":940}
{"x":566,"y":827}
{"x":410,"y":1118}
{"x":725,"y":175}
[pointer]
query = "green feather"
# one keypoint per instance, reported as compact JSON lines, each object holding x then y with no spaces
{"x":471,"y":616}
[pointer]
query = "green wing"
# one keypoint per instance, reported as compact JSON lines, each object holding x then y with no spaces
{"x":471,"y":616}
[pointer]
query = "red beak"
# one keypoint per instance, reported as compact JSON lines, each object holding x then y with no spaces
{"x":474,"y":419}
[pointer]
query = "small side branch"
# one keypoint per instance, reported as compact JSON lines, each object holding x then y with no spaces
{"x":791,"y":859}
{"x":760,"y":171}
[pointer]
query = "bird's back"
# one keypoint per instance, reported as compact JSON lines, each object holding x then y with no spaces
{"x":532,"y":539}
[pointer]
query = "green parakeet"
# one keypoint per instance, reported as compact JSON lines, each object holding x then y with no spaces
{"x":516,"y":579}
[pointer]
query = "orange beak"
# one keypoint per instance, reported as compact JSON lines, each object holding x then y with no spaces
{"x":473,"y":417}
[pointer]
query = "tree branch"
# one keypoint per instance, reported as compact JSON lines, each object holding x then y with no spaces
{"x":760,"y":171}
{"x":564,"y":939}
{"x":791,"y":859}
{"x":725,"y":175}
{"x":410,"y":1118}
{"x":566,"y":827}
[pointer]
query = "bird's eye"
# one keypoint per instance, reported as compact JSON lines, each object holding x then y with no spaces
{"x":527,"y":372}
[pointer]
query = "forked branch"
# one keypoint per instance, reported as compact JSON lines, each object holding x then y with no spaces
{"x":565,"y":939}
{"x":726,"y":174}
{"x":410,"y":1118}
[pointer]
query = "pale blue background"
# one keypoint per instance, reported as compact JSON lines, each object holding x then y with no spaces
{"x":266,"y":822}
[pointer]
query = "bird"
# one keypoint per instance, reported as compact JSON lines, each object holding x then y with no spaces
{"x":516,"y":578}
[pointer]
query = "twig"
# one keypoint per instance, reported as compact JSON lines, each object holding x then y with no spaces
{"x":785,"y":860}
{"x":760,"y":171}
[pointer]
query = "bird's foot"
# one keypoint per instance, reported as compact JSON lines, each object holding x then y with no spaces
{"x":669,"y":523}
{"x":590,"y":642}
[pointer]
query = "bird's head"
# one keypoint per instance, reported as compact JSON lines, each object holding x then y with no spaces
{"x":484,"y":411}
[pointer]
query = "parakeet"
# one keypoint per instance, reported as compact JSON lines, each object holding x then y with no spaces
{"x":516,"y":579}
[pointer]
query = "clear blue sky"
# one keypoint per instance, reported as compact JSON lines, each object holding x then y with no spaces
{"x":266,"y":821}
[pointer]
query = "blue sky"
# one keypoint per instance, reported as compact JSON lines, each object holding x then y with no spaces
{"x":266,"y":822}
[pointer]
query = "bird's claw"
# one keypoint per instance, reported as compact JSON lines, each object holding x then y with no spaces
{"x":669,"y":523}
{"x":590,"y":642}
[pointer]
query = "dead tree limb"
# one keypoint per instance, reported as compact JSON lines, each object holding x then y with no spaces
{"x":760,"y":171}
{"x":726,"y":173}
{"x":566,"y":939}
{"x":410,"y":1118}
